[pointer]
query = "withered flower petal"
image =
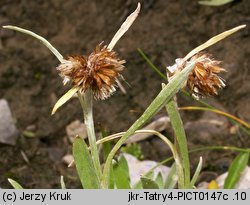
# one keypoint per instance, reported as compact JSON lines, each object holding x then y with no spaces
{"x":98,"y":72}
{"x":203,"y":80}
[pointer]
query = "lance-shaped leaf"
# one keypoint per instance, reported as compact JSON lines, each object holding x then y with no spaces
{"x":121,"y":174}
{"x":84,"y":165}
{"x":159,"y":180}
{"x":124,"y":27}
{"x":172,"y":178}
{"x":64,"y":99}
{"x":235,"y":170}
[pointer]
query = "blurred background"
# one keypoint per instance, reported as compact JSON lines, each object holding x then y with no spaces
{"x":164,"y":30}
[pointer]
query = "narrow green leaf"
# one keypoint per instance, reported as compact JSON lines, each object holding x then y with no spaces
{"x":63,"y":186}
{"x":64,"y":99}
{"x":15,"y":184}
{"x":235,"y":170}
{"x":121,"y":174}
{"x":214,"y":2}
{"x":40,"y":38}
{"x":148,"y":183}
{"x":159,"y":180}
{"x":181,"y":139}
{"x":172,"y":178}
{"x":84,"y":165}
{"x":197,"y":173}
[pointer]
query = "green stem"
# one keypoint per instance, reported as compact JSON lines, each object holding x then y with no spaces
{"x":181,"y":141}
{"x":87,"y":107}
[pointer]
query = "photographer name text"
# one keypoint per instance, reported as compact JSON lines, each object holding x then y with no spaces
{"x":42,"y":197}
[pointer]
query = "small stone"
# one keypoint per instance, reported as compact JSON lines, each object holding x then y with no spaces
{"x":76,"y":128}
{"x":31,"y":128}
{"x":138,"y":168}
{"x":68,"y":159}
{"x":8,"y":130}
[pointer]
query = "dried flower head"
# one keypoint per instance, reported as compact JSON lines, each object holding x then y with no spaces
{"x":98,"y":72}
{"x":203,"y":80}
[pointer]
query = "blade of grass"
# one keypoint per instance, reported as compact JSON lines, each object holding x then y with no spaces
{"x":151,"y":64}
{"x":218,"y":112}
{"x":63,"y":186}
{"x":200,"y":149}
{"x":197,"y":173}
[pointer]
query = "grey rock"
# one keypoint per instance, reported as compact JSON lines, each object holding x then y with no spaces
{"x":8,"y":130}
{"x":68,"y":159}
{"x":138,"y":168}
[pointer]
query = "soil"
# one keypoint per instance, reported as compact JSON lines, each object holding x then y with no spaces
{"x":164,"y":30}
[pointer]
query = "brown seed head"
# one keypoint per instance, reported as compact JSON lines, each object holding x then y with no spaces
{"x":203,"y":80}
{"x":98,"y":72}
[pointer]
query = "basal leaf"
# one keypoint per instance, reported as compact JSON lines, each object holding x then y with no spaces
{"x":84,"y":165}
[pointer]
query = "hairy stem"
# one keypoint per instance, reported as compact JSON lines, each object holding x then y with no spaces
{"x":87,"y":107}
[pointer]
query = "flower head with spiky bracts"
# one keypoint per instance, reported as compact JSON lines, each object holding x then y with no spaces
{"x":98,"y":72}
{"x":203,"y":80}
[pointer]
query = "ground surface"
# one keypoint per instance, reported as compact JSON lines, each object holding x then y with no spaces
{"x":165,"y":30}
